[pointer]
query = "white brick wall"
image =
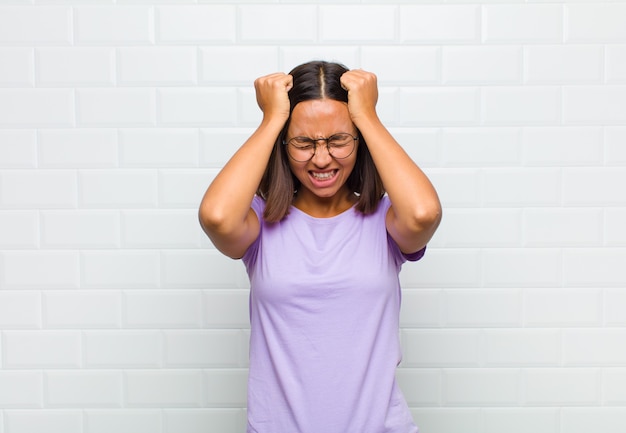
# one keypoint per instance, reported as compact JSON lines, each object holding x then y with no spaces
{"x":118,"y":315}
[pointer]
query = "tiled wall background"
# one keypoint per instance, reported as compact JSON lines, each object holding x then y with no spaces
{"x":117,"y":315}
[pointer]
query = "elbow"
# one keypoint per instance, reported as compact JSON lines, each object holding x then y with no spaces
{"x":427,"y":219}
{"x":212,"y":220}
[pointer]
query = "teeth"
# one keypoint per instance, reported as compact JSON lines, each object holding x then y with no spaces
{"x":327,"y":175}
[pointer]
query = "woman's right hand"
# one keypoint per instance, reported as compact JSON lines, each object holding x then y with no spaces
{"x":272,"y":96}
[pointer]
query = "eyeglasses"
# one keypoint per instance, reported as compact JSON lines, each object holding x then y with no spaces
{"x":339,"y":146}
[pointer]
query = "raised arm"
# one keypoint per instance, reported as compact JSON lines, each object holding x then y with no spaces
{"x":415,"y":210}
{"x":225,"y":213}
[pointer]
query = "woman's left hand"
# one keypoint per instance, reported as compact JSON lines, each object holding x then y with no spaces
{"x":362,"y":90}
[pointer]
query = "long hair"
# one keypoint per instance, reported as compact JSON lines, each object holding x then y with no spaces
{"x":312,"y":81}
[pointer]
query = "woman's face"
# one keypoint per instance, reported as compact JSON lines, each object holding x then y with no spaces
{"x":323,"y":175}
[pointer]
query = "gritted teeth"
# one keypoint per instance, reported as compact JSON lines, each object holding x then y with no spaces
{"x":324,"y":175}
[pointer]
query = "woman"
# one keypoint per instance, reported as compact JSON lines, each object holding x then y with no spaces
{"x":303,"y":203}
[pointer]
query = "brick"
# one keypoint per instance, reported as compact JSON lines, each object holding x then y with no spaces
{"x":479,"y":147}
{"x":202,"y":420}
{"x":563,"y":64}
{"x":80,"y":229}
{"x":196,"y":23}
{"x":21,"y":389}
{"x":521,"y":187}
{"x":118,"y":188}
{"x":594,"y":347}
{"x":448,"y":420}
{"x":403,"y":64}
{"x":594,"y":186}
{"x":18,"y":148}
{"x":226,"y":388}
{"x":521,"y":348}
{"x":40,"y":269}
{"x":83,"y":389}
{"x":490,"y":228}
{"x":532,"y":23}
{"x":36,"y":107}
{"x":431,"y":270}
{"x":456,"y":188}
{"x":20,"y":309}
{"x":82,"y":309}
{"x":19,"y":229}
{"x":218,"y":145}
{"x":615,"y":137}
{"x":164,"y":388}
{"x":439,"y":24}
{"x":520,"y":420}
{"x":565,"y":387}
{"x":581,"y":22}
{"x":108,"y":107}
{"x":614,"y":386}
{"x":114,"y":24}
{"x":616,"y":64}
{"x":205,"y":269}
{"x":139,"y":66}
{"x":421,"y":308}
{"x":267,"y":23}
{"x":421,"y":387}
{"x":78,"y":148}
{"x":291,"y":56}
{"x":30,"y":420}
{"x":197,"y":107}
{"x":226,"y":308}
{"x":17,"y":66}
{"x":510,"y":267}
{"x":123,"y":421}
{"x":594,"y":267}
{"x":120,"y":269}
{"x":163,"y":309}
{"x":41,"y":349}
{"x":423,"y":145}
{"x":24,"y":25}
{"x":439,"y":105}
{"x":159,"y":147}
{"x":472,"y":387}
{"x":183,"y":188}
{"x":562,"y":146}
{"x":75,"y":66}
{"x":161,"y":229}
{"x":482,"y":308}
{"x":437,"y":348}
{"x":562,"y":227}
{"x":205,"y":348}
{"x":334,"y":27}
{"x":122,"y":349}
{"x":216,"y":64}
{"x":614,"y":304}
{"x":562,"y":307}
{"x":38,"y":189}
{"x":594,"y":105}
{"x":481,"y":65}
{"x":521,"y":105}
{"x":605,"y":419}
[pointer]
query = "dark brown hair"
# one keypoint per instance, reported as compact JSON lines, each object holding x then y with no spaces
{"x":316,"y":80}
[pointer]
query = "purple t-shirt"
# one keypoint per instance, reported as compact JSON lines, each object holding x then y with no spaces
{"x":324,"y":315}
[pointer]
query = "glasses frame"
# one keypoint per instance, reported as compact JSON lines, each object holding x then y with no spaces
{"x":315,"y":145}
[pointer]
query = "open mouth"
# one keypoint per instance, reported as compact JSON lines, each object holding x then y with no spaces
{"x":323,"y":176}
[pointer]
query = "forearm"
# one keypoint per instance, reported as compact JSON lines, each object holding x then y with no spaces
{"x":415,"y":203}
{"x":226,"y":202}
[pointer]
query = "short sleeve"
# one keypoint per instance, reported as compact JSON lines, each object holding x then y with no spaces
{"x":258,"y":206}
{"x":385,"y":204}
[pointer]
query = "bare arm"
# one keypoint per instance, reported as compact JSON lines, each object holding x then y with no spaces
{"x":415,"y":210}
{"x":225,"y":213}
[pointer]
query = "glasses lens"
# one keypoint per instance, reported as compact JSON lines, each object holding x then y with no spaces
{"x":341,"y":145}
{"x":301,"y":148}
